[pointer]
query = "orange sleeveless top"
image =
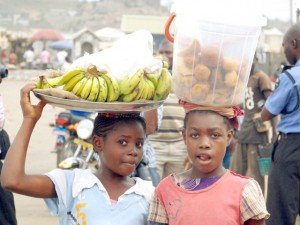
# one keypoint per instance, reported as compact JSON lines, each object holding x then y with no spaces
{"x":218,"y":204}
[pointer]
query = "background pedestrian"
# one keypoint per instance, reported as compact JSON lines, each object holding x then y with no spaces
{"x":283,"y":200}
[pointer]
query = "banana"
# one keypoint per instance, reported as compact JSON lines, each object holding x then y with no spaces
{"x":140,"y":88}
{"x":69,"y":75}
{"x":38,"y":83}
{"x":128,"y":84}
{"x":153,"y":78}
{"x":79,"y":86}
{"x":113,"y":87}
{"x":87,"y":88}
{"x":120,"y":99}
{"x":94,"y":90}
{"x":74,"y":80}
{"x":103,"y":92}
{"x":145,"y":91}
{"x":54,"y":82}
{"x":165,"y":64}
{"x":129,"y":97}
{"x":42,"y":83}
{"x":164,"y":85}
{"x":151,"y":89}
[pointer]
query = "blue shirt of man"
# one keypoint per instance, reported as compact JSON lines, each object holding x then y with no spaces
{"x":285,"y":98}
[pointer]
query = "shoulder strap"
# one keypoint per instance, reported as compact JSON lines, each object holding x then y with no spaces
{"x":290,"y":76}
{"x":297,"y":92}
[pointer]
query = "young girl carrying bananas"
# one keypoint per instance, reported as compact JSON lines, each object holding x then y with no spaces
{"x":80,"y":197}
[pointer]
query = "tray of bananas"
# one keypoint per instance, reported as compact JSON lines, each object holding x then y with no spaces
{"x":88,"y":89}
{"x":84,"y":105}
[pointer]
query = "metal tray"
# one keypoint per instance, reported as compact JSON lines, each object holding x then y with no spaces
{"x":83,"y":105}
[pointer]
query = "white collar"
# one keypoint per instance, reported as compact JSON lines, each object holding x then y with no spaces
{"x":86,"y":179}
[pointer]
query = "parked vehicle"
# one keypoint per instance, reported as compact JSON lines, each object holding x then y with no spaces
{"x":65,"y":130}
{"x":79,"y":152}
{"x":77,"y":149}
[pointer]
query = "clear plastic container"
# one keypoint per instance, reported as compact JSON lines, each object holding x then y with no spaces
{"x":211,"y":60}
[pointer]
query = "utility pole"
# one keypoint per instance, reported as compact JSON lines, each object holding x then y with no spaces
{"x":298,"y":14}
{"x":291,"y":12}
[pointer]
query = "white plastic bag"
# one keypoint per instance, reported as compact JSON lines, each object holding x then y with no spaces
{"x":129,"y":54}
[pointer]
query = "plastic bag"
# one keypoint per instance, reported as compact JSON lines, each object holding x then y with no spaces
{"x":129,"y":54}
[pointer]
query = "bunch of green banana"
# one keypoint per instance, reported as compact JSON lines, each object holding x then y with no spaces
{"x":99,"y":86}
{"x":129,"y":83}
{"x":88,"y":86}
{"x":73,"y":81}
{"x":153,"y":78}
{"x":60,"y":80}
{"x":141,"y":86}
{"x":113,"y":91}
{"x":42,"y":83}
{"x":164,"y":85}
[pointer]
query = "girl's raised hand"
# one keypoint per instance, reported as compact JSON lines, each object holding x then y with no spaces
{"x":30,"y":111}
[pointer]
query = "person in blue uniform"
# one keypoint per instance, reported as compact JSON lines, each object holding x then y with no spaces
{"x":283,"y":200}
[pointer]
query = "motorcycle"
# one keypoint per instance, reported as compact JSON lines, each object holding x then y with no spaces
{"x":73,"y":132}
{"x":65,"y":130}
{"x":78,"y":151}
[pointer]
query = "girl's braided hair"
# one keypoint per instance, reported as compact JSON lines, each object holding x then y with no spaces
{"x":106,"y":122}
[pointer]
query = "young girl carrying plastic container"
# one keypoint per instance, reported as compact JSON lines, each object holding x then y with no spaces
{"x":208,"y":193}
{"x":80,"y":197}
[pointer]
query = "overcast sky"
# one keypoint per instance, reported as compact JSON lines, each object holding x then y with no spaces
{"x":273,"y":8}
{"x":280,"y":8}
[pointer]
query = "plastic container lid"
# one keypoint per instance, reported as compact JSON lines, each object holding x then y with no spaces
{"x":233,"y":12}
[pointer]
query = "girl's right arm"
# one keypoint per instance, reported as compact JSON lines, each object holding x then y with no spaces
{"x":13,"y":175}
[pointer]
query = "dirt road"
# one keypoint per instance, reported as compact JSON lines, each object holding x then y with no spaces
{"x":30,"y":211}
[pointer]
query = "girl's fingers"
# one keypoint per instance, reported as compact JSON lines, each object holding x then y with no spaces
{"x":28,"y":87}
{"x":26,"y":90}
{"x":29,"y":110}
{"x":41,"y":104}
